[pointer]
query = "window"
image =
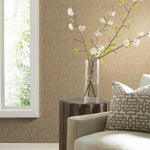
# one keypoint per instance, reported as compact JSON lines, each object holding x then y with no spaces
{"x":19,"y":58}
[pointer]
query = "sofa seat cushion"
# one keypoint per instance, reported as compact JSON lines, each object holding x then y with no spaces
{"x":114,"y":140}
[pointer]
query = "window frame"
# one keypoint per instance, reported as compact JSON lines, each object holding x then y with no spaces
{"x":31,"y":111}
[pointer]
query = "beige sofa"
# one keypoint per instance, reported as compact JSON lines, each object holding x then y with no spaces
{"x":87,"y":133}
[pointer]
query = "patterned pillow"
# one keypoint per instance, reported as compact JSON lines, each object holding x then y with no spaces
{"x":129,"y":109}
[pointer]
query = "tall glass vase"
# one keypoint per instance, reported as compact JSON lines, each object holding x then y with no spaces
{"x":91,"y":91}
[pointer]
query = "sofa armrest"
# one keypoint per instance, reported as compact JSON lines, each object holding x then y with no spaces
{"x":83,"y":125}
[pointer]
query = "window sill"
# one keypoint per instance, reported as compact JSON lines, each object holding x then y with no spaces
{"x":18,"y":114}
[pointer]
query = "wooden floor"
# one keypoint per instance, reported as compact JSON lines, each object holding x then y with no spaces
{"x":29,"y":146}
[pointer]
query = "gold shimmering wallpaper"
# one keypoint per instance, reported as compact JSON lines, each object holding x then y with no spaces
{"x":62,"y":71}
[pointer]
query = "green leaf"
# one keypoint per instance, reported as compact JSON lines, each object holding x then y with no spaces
{"x":114,"y":44}
{"x":121,"y":2}
{"x":128,"y":25}
{"x":110,"y":48}
{"x":135,"y":5}
{"x":102,"y":59}
{"x":89,"y":54}
{"x":107,"y":50}
{"x":86,"y":43}
{"x":76,"y":50}
{"x":72,"y":20}
{"x":108,"y":37}
{"x":130,"y":17}
{"x":128,"y":46}
{"x":116,"y":29}
{"x":118,"y":36}
{"x":129,"y":37}
{"x":125,"y":14}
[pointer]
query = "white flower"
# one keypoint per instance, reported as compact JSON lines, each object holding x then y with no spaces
{"x":110,"y":22}
{"x":81,"y":28}
{"x":99,"y":52}
{"x":112,"y":13}
{"x":70,"y":26}
{"x":93,"y":51}
{"x":141,"y":33}
{"x":101,"y":47}
{"x":135,"y":0}
{"x":126,"y":42}
{"x":102,"y":20}
{"x":149,"y":34}
{"x":98,"y":33}
{"x":70,"y":12}
{"x":136,"y":42}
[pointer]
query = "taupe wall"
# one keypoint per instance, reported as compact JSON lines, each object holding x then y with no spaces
{"x":62,"y":72}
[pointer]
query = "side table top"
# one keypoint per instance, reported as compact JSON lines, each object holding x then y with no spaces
{"x":81,"y":101}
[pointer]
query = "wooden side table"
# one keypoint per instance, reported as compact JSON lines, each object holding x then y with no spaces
{"x":74,"y":107}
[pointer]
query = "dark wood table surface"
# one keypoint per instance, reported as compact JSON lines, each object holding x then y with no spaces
{"x":74,"y":107}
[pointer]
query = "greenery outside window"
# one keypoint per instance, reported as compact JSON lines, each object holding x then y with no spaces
{"x":19,"y":58}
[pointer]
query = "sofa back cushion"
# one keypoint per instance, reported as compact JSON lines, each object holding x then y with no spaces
{"x":145,"y":80}
{"x":129,"y":109}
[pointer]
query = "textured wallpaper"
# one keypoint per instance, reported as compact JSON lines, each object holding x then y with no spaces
{"x":62,"y":71}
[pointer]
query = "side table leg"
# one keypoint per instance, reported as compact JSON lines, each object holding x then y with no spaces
{"x":63,"y":125}
{"x":103,"y":107}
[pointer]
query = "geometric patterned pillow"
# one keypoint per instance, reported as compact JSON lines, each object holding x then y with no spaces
{"x":129,"y":109}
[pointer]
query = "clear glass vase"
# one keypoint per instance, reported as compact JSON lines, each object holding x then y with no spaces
{"x":91,"y":91}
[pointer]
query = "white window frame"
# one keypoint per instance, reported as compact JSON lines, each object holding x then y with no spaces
{"x":33,"y":110}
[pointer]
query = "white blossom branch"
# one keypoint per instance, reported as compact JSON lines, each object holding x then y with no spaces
{"x":114,"y":50}
{"x":121,"y":26}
